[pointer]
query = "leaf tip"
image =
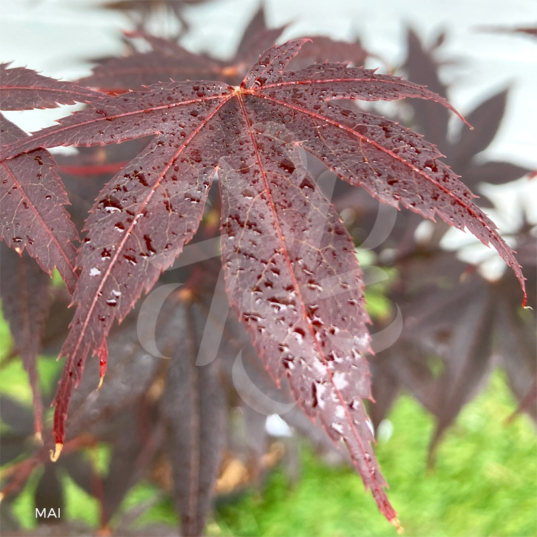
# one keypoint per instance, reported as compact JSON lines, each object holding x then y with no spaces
{"x":55,"y":455}
{"x":461,"y":117}
{"x":102,"y":353}
{"x":471,"y":127}
{"x":395,"y":522}
{"x":525,"y":299}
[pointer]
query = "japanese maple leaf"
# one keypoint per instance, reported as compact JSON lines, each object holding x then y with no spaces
{"x":21,"y":88}
{"x":33,"y":217}
{"x":31,"y":193}
{"x":289,"y":263}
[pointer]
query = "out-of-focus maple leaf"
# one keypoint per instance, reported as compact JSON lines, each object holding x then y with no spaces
{"x":141,"y":11}
{"x":195,"y":416}
{"x":168,"y":60}
{"x":458,"y":326}
{"x":24,"y":289}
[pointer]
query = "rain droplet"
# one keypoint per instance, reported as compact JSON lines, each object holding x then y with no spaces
{"x":149,"y":245}
{"x":111,"y":204}
{"x":299,"y":334}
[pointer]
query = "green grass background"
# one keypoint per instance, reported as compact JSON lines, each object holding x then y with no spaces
{"x":484,"y":482}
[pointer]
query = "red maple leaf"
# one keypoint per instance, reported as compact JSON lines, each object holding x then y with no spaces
{"x":289,"y":263}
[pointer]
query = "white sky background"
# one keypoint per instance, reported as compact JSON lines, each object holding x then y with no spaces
{"x":53,"y":36}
